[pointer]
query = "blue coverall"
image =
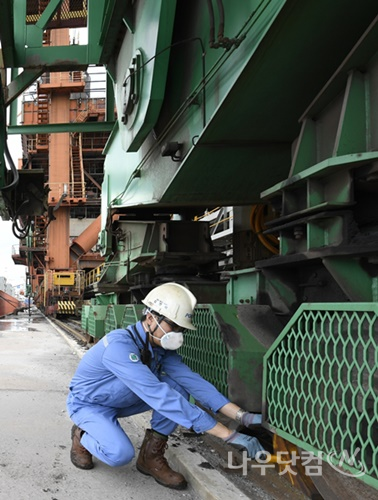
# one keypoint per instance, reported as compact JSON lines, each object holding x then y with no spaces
{"x":112,"y":382}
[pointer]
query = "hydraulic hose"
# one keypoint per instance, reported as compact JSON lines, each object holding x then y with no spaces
{"x":13,"y":168}
{"x":269,"y":241}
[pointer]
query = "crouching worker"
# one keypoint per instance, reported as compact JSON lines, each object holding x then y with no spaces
{"x":135,"y":370}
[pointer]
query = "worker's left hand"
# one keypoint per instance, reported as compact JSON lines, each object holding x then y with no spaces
{"x":248,"y":419}
{"x":251,"y":444}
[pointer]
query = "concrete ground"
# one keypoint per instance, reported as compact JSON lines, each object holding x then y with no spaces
{"x":36,"y":366}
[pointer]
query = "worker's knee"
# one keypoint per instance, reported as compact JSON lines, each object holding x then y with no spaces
{"x":118,"y":455}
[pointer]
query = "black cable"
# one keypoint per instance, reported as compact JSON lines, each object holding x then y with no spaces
{"x":221,"y":20}
{"x":222,"y":41}
{"x":24,"y":229}
{"x":212,"y":22}
{"x":187,"y":40}
{"x":174,"y":45}
{"x":23,"y":233}
{"x":16,"y":176}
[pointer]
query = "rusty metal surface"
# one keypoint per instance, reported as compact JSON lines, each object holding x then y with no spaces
{"x":8,"y":304}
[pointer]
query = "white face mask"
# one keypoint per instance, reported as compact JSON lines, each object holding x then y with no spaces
{"x":170,"y":340}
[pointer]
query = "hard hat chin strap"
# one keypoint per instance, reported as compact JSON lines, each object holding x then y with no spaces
{"x":158,"y":320}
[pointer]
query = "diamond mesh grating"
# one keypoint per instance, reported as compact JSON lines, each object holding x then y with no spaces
{"x":321,"y":384}
{"x":72,"y":13}
{"x":204,"y":350}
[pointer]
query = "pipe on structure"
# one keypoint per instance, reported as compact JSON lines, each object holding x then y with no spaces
{"x":86,"y":240}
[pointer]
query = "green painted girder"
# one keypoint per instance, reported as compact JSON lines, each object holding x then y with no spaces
{"x":110,"y":101}
{"x":255,"y":125}
{"x":96,"y":11}
{"x":262,"y":88}
{"x":69,"y":58}
{"x":28,"y":48}
{"x":34,"y":32}
{"x":352,"y":132}
{"x":325,"y":167}
{"x":22,"y":45}
{"x":352,"y":278}
{"x":53,"y":128}
{"x":141,"y":78}
{"x":3,"y":169}
{"x":7,"y":33}
{"x":115,"y":15}
{"x":21,"y":82}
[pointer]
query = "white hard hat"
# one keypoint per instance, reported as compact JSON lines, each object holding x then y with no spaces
{"x":174,"y":302}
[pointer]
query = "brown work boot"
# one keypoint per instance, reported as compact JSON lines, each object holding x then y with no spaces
{"x":151,"y":461}
{"x":80,"y":457}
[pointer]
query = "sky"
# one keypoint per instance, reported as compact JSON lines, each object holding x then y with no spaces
{"x":15,"y":274}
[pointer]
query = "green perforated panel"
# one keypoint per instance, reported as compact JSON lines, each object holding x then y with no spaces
{"x":204,"y":350}
{"x":84,"y":317}
{"x":114,"y":316}
{"x":96,"y":321}
{"x":131,"y":314}
{"x":320,"y":384}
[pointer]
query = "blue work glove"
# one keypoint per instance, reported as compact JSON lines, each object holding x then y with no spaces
{"x":249,"y":419}
{"x":251,"y":444}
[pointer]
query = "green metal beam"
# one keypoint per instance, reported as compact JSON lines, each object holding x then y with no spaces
{"x":7,"y":33}
{"x":325,"y":167}
{"x":305,"y":151}
{"x":112,"y":22}
{"x":352,"y":133}
{"x":19,"y":28}
{"x":351,"y":277}
{"x":48,"y":13}
{"x":65,"y":58}
{"x":3,"y":74}
{"x":56,"y":128}
{"x":34,"y":32}
{"x":110,"y":115}
{"x":3,"y":169}
{"x":13,"y":106}
{"x":129,"y":18}
{"x":21,"y":83}
{"x":29,"y":52}
{"x":96,"y":12}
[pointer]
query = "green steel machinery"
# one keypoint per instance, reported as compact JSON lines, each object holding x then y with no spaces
{"x":243,"y":162}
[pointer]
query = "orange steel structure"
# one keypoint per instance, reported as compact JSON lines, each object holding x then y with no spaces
{"x":73,"y":169}
{"x":9,"y":305}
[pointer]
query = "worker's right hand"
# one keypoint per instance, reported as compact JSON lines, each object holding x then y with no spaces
{"x":250,"y":419}
{"x":251,"y":444}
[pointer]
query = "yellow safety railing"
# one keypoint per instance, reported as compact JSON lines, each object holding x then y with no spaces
{"x":94,"y":275}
